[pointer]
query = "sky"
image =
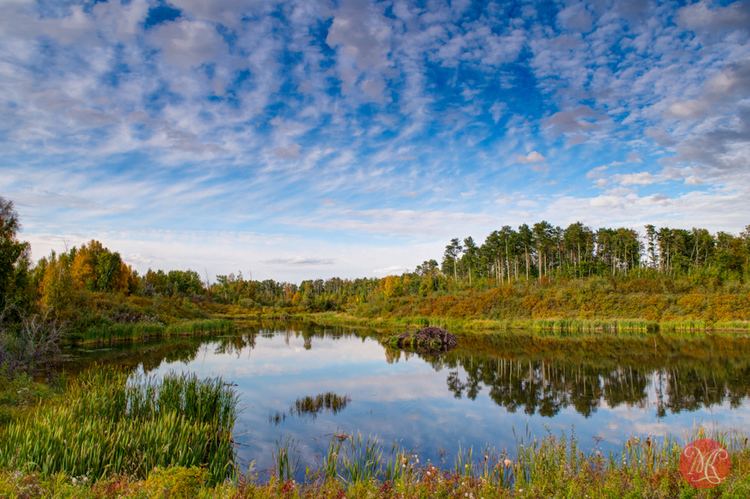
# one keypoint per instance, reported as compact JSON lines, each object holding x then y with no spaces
{"x":313,"y":138}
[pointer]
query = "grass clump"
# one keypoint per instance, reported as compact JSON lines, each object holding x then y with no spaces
{"x":200,"y":326}
{"x":138,"y":331}
{"x":124,"y":331}
{"x":20,"y":393}
{"x":111,"y":426}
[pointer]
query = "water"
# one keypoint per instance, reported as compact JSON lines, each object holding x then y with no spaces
{"x":490,"y":392}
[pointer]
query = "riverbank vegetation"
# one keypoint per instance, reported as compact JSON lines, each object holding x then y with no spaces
{"x":360,"y":467}
{"x":106,"y":425}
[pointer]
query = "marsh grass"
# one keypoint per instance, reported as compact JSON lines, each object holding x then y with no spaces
{"x":553,"y":466}
{"x":549,"y":326}
{"x":200,"y":326}
{"x":20,"y":393}
{"x":359,"y":459}
{"x":138,"y":331}
{"x":286,"y":464}
{"x":110,"y":425}
{"x":123,"y":331}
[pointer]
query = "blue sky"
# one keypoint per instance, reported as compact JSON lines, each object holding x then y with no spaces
{"x":316,"y":138}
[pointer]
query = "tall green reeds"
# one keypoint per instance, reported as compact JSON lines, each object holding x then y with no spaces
{"x":137,"y":331}
{"x":357,"y":467}
{"x":123,"y":331}
{"x":109,"y":425}
{"x":200,"y":326}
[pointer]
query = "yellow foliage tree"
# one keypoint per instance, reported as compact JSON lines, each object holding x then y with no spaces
{"x":83,"y":268}
{"x":391,"y":286}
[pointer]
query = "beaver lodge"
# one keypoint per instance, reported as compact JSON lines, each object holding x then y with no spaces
{"x":430,"y":339}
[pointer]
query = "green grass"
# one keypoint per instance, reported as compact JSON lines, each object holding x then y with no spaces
{"x":546,"y":326}
{"x":139,"y":331}
{"x":359,"y":467}
{"x":201,"y":326}
{"x":107,"y":425}
{"x":20,"y":393}
{"x":123,"y":331}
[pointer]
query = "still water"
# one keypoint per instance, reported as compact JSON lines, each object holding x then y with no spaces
{"x":491,"y":391}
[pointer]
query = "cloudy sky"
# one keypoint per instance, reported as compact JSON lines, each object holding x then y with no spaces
{"x":316,"y":138}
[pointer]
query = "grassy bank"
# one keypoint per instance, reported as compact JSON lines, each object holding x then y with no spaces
{"x":633,"y":304}
{"x":137,"y":331}
{"x":473,"y":325}
{"x":105,"y":426}
{"x":358,"y":467}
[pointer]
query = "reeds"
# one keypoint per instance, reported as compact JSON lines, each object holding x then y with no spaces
{"x":109,"y":425}
{"x":138,"y":331}
{"x":358,"y":467}
{"x":548,"y":326}
{"x":200,"y":327}
{"x":123,"y":331}
{"x":286,"y":465}
{"x":548,"y":467}
{"x":357,"y":459}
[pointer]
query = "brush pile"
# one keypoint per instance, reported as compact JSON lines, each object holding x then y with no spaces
{"x":428,"y":339}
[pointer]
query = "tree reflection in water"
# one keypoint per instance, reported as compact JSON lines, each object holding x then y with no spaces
{"x":544,"y":375}
{"x":521,"y":372}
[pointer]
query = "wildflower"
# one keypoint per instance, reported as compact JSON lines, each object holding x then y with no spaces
{"x":507,"y":462}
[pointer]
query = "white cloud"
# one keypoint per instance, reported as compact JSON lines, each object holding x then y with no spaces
{"x":497,"y":110}
{"x":362,"y":36}
{"x":701,"y":17}
{"x":575,"y":17}
{"x":532,"y":157}
{"x":639,"y":178}
{"x":227,"y":12}
{"x":187,"y":44}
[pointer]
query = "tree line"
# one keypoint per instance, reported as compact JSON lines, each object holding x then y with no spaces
{"x":541,"y":253}
{"x":545,"y":251}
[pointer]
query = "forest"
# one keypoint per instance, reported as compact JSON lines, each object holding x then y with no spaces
{"x":534,"y":272}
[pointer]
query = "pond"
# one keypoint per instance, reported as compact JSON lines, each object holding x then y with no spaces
{"x":302,"y":385}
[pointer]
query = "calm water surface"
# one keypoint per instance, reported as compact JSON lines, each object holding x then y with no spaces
{"x":490,"y":391}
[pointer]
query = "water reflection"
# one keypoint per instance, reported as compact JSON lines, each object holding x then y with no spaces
{"x":313,"y":405}
{"x":606,"y":387}
{"x":519,"y":372}
{"x":543,"y":376}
